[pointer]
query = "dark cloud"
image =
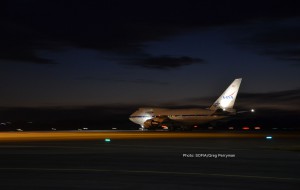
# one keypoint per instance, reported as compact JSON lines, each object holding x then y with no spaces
{"x":163,"y":62}
{"x":118,"y":27}
{"x":282,"y":100}
{"x":138,"y":81}
{"x":278,"y":36}
{"x":287,"y":54}
{"x":24,"y":56}
{"x":281,"y":40}
{"x":20,"y":43}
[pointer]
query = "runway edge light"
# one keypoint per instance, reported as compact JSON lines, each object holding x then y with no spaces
{"x":269,"y":137}
{"x":107,"y":140}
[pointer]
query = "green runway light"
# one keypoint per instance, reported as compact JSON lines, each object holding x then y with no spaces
{"x":107,"y":140}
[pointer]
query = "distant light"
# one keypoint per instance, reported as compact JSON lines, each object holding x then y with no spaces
{"x":114,"y":128}
{"x":252,"y":110}
{"x":257,"y":128}
{"x":107,"y":140}
{"x":195,"y":126}
{"x":246,"y":128}
{"x":269,"y":137}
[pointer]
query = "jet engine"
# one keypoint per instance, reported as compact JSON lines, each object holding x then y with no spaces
{"x":155,"y":123}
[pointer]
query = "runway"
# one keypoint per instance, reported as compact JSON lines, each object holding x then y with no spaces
{"x":149,"y":160}
{"x":98,"y":135}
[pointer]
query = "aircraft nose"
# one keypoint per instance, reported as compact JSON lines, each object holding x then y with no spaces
{"x":132,"y":118}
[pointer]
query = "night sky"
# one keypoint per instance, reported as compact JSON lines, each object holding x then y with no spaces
{"x":156,"y":53}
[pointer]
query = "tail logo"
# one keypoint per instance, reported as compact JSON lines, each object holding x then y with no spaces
{"x":228,"y":97}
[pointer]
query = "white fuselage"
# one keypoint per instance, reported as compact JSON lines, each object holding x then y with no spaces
{"x":183,"y":116}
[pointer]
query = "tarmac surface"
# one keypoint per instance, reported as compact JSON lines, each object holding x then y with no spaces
{"x":149,"y":160}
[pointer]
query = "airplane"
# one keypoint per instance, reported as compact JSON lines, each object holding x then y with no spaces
{"x":186,"y":119}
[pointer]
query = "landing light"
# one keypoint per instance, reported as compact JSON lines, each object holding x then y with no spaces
{"x":252,"y":110}
{"x":164,"y":126}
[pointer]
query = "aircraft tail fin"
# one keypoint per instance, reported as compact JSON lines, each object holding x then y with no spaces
{"x":227,"y":99}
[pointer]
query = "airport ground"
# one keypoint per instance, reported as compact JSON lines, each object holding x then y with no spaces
{"x":149,"y":160}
